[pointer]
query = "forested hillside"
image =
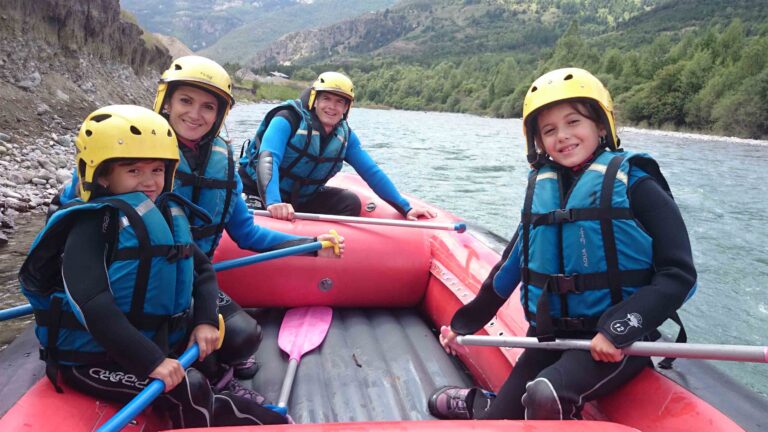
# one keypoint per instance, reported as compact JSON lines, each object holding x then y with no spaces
{"x":698,"y":65}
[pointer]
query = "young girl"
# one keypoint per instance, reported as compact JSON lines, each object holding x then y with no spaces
{"x":601,"y":253}
{"x":113,"y":275}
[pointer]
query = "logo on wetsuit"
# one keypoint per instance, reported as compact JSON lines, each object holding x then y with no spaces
{"x":622,"y":326}
{"x":121,"y":377}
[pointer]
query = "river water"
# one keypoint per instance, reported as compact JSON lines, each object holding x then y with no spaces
{"x":475,"y":168}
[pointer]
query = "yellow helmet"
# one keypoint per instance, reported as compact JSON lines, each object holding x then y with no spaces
{"x":561,"y":85}
{"x":334,"y":82}
{"x":123,"y":132}
{"x":201,"y":72}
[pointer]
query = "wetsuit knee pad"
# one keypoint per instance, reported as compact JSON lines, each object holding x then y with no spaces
{"x":233,"y":410}
{"x":541,"y":402}
{"x":190,"y":404}
{"x":242,"y":337}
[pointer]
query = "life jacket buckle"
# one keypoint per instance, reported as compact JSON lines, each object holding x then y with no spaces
{"x":566,"y":283}
{"x":572,"y":324}
{"x":179,"y":320}
{"x":563,"y":215}
{"x":43,"y":354}
{"x":177,"y":252}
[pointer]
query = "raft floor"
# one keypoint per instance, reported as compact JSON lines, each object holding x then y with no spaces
{"x":374,"y":365}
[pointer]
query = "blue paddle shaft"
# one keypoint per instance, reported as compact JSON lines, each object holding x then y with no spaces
{"x":22,"y":310}
{"x":15,"y":312}
{"x":143,"y":399}
{"x":266,"y":256}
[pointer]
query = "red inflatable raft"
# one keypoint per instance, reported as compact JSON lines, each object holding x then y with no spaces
{"x":381,"y":359}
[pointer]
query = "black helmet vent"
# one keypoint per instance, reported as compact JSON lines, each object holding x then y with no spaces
{"x":568,"y":77}
{"x":88,"y":132}
{"x":135,"y":130}
{"x":100,"y":118}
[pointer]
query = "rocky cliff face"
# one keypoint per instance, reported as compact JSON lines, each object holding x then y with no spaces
{"x":362,"y":35}
{"x":76,"y":27}
{"x":60,"y":60}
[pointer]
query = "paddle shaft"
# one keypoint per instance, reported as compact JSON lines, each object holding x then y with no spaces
{"x":741,"y":353}
{"x":303,"y":329}
{"x":266,"y":256}
{"x":149,"y":394}
{"x":459,"y":227}
{"x":23,"y":310}
{"x":285,"y":390}
{"x":15,"y":312}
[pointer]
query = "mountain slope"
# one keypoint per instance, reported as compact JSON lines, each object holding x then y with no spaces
{"x":684,"y":65}
{"x":445,"y":28}
{"x":232,"y":30}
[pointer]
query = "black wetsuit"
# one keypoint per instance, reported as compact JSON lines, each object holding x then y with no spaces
{"x":565,"y":380}
{"x":192,"y":403}
{"x":84,"y":269}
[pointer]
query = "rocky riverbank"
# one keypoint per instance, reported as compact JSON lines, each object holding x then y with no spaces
{"x":59,"y":61}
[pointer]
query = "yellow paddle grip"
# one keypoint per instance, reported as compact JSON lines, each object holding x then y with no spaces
{"x":221,"y":331}
{"x":326,"y":244}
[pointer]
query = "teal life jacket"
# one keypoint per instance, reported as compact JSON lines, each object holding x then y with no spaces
{"x":150,"y":275}
{"x":583,"y":250}
{"x":306,"y":165}
{"x":211,"y":186}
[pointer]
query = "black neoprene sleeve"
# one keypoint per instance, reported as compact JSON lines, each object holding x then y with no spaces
{"x":84,"y":270}
{"x":674,"y":272}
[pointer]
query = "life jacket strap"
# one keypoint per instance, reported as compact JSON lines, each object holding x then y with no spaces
{"x":55,"y":320}
{"x":560,"y":216}
{"x":569,"y":324}
{"x":577,"y":283}
{"x":198,"y":181}
{"x":172,"y":253}
{"x":51,"y":357}
{"x":200,"y":232}
{"x":682,"y":337}
{"x":51,"y":365}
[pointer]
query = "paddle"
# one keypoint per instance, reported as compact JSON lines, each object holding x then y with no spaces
{"x":742,"y":353}
{"x":154,"y":389}
{"x":266,"y":256}
{"x":23,"y":310}
{"x":458,"y":227}
{"x":15,"y":312}
{"x":303,"y":329}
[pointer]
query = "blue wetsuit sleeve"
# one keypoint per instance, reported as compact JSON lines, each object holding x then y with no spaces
{"x":506,"y":279}
{"x":244,"y":231}
{"x":274,"y":141}
{"x":496,"y":289}
{"x":362,"y":162}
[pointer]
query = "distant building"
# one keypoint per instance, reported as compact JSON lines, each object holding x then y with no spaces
{"x":278,"y":75}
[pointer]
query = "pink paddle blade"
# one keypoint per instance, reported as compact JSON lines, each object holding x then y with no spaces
{"x":303,"y":329}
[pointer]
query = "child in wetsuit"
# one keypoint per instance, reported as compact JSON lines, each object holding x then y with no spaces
{"x":601,"y":253}
{"x":117,"y":284}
